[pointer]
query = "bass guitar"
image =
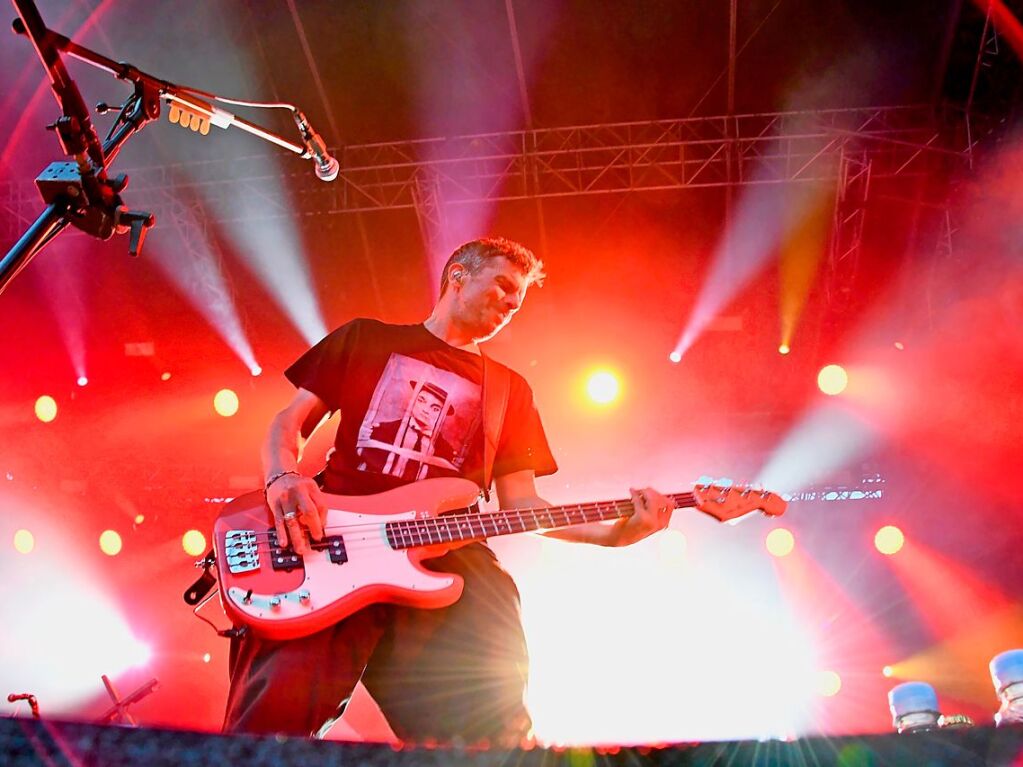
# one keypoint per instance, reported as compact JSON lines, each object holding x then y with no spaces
{"x":373,"y":545}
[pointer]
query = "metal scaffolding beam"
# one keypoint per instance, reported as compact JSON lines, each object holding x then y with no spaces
{"x":768,"y":148}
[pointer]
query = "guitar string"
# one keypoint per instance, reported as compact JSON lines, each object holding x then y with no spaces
{"x":421,"y":535}
{"x":471,"y":517}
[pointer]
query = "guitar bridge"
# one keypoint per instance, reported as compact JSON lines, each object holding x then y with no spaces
{"x":240,"y":551}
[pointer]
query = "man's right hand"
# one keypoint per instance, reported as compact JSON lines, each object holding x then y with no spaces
{"x":298,"y":507}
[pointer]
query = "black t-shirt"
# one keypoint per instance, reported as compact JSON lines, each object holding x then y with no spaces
{"x":411,"y":409}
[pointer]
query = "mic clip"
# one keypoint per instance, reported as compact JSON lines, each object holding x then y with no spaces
{"x":327,"y":166}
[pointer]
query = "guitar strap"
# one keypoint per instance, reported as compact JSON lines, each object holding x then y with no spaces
{"x":496,"y":386}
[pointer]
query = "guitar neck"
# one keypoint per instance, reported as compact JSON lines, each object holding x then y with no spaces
{"x":468,"y":526}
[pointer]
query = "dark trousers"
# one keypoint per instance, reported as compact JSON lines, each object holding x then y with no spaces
{"x":458,"y":672}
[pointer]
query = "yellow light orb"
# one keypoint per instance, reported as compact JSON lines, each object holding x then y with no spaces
{"x":140,"y":518}
{"x":889,"y":540}
{"x":110,"y":543}
{"x":832,"y":379}
{"x":166,"y":376}
{"x":602,"y":387}
{"x":783,"y":349}
{"x":780,"y":542}
{"x":225,"y":402}
{"x":46,"y":408}
{"x":193,"y":542}
{"x":888,"y":671}
{"x":828,"y":683}
{"x":24,"y":541}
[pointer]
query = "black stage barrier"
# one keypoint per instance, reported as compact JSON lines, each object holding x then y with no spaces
{"x":31,"y":742}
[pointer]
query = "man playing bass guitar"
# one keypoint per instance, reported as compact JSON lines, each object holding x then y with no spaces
{"x":411,"y":400}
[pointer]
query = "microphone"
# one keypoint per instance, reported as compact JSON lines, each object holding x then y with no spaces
{"x":327,"y":166}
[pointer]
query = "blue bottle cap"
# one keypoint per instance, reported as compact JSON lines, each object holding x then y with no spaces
{"x":1007,"y":668}
{"x":911,"y":698}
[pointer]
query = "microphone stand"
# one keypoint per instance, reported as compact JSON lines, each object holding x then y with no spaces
{"x":78,"y":191}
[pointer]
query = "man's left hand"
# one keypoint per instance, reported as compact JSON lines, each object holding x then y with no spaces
{"x":653,"y":513}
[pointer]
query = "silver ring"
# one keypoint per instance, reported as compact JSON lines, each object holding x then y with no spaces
{"x":290,"y":515}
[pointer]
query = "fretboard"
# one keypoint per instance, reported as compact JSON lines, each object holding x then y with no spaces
{"x":464,"y":525}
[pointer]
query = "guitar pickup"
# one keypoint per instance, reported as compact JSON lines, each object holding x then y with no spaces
{"x":334,"y":545}
{"x":282,"y":557}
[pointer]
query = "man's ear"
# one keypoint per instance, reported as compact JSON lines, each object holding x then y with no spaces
{"x":456,"y":273}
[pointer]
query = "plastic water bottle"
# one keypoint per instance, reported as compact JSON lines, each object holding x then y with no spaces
{"x":914,"y":707}
{"x":1007,"y":675}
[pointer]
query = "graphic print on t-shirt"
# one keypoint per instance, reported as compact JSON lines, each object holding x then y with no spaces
{"x":422,"y":421}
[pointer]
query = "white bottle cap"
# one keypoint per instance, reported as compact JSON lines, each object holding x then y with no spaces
{"x":912,"y":698}
{"x":1006,"y":669}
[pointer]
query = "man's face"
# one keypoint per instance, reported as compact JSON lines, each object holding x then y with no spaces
{"x":426,"y":410}
{"x":488,"y":300}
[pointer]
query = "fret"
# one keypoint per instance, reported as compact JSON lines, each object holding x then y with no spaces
{"x":492,"y":518}
{"x":432,"y":528}
{"x":449,"y":534}
{"x":550,"y":517}
{"x":534,"y":521}
{"x":520,"y":525}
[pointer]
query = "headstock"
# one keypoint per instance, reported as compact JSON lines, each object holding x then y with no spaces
{"x":729,"y":503}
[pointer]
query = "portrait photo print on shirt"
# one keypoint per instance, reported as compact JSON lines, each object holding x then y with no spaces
{"x":422,"y":421}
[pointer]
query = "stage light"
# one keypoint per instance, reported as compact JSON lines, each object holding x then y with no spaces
{"x":783,"y":349}
{"x":780,"y":542}
{"x":225,"y":402}
{"x":832,"y":379}
{"x":828,"y":683}
{"x":24,"y":541}
{"x":165,"y":376}
{"x":256,"y":370}
{"x":206,"y":657}
{"x":899,"y":345}
{"x":889,"y":540}
{"x":193,"y":542}
{"x":140,"y":518}
{"x":83,"y":381}
{"x":46,"y":408}
{"x":602,"y":387}
{"x":110,"y":543}
{"x":675,"y":357}
{"x":888,"y":672}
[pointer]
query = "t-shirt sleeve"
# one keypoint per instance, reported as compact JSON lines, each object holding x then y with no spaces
{"x":321,"y":370}
{"x":523,"y":442}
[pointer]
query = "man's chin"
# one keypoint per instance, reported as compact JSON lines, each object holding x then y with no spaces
{"x":489,"y":330}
